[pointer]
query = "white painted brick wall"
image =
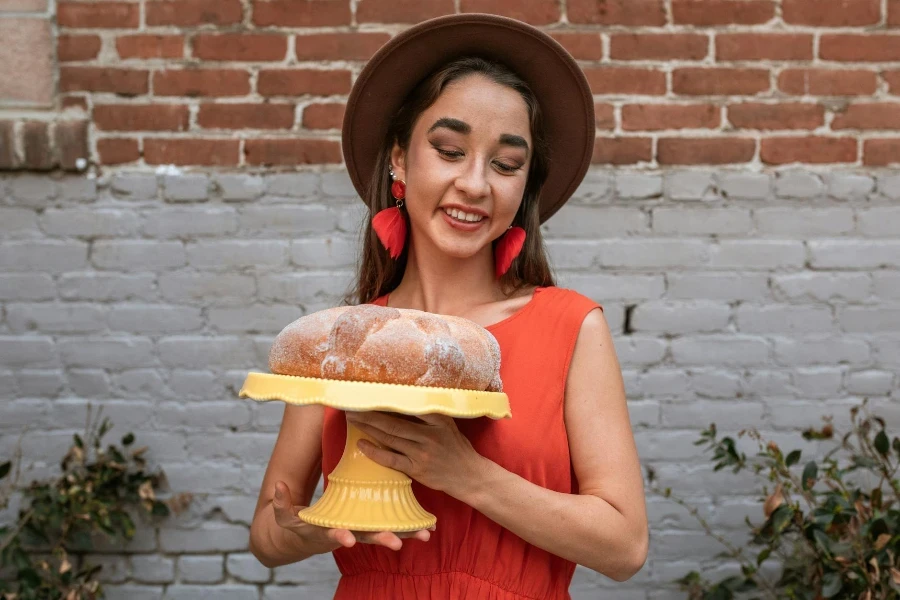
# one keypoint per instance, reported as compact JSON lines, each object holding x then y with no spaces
{"x":762,"y":299}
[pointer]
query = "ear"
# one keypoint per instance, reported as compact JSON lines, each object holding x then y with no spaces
{"x":398,"y":161}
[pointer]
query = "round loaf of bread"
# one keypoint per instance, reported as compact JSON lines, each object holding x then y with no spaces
{"x":389,"y":345}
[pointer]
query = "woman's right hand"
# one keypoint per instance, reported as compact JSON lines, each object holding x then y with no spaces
{"x":324,"y":539}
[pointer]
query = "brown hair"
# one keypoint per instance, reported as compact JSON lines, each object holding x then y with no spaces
{"x":378,"y":272}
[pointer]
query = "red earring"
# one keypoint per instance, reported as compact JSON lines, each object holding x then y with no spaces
{"x":507,"y":249}
{"x":389,"y":224}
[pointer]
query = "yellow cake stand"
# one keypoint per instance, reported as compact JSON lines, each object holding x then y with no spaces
{"x":361,"y":494}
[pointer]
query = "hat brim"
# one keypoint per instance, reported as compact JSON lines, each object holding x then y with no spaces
{"x":550,"y":71}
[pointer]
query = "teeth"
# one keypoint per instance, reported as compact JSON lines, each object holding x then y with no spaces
{"x":458,"y":214}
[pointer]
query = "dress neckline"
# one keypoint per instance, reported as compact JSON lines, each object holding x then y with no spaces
{"x":528,"y":306}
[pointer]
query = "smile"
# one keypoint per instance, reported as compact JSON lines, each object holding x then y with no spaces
{"x":461,"y":216}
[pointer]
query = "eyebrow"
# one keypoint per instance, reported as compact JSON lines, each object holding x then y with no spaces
{"x":464,"y":128}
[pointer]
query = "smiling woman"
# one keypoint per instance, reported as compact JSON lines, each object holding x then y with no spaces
{"x":450,"y":133}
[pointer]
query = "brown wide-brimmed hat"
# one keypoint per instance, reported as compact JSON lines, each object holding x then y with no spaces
{"x":549,"y":70}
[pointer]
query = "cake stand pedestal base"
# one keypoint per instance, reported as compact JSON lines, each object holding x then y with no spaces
{"x":365,"y":496}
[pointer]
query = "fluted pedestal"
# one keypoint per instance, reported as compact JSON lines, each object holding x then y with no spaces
{"x":364,"y":496}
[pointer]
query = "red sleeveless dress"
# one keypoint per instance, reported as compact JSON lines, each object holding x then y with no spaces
{"x":470,"y":556}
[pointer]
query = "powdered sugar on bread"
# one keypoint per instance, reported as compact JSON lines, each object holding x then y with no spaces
{"x":389,"y":345}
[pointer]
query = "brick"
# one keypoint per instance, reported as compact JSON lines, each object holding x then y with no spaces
{"x":115,"y":151}
{"x":745,"y":186}
{"x":150,"y":319}
{"x":859,"y":48}
{"x":26,"y":286}
{"x":246,"y":116}
{"x":673,"y":318}
{"x":622,"y":150}
{"x":722,"y":12}
{"x":180,"y":151}
{"x":604,"y":116}
{"x":215,"y":288}
{"x":27,"y":70}
{"x":323,"y":253}
{"x":764,"y":46}
{"x":135,"y":117}
{"x":665,"y":46}
{"x":786,"y":320}
{"x":757,"y":254}
{"x":323,"y":116}
{"x":186,"y":188}
{"x":732,"y":350}
{"x":240,"y":46}
{"x":691,"y":185}
{"x":719,"y":81}
{"x":881,"y":152}
{"x":32,"y":190}
{"x":536,"y":12}
{"x":872,"y":382}
{"x":194,"y":12}
{"x":70,"y":139}
{"x":849,"y":186}
{"x":718,"y":286}
{"x":18,"y":223}
{"x":125,"y":82}
{"x":655,"y":117}
{"x":287,"y":219}
{"x":785,"y":115}
{"x":401,"y":11}
{"x":886,"y":285}
{"x":879,"y":221}
{"x":709,"y":151}
{"x":617,"y":12}
{"x":291,"y":152}
{"x":74,"y":102}
{"x":581,"y":45}
{"x":38,"y":152}
{"x":811,"y":149}
{"x":152,"y":569}
{"x":150,"y":46}
{"x":108,"y":352}
{"x":77,"y":47}
{"x":89,"y":222}
{"x":804,"y":221}
{"x":232,"y":187}
{"x":48,"y":317}
{"x":865,"y":319}
{"x":98,"y":286}
{"x":189,"y":223}
{"x":854,"y":254}
{"x":297,"y":82}
{"x":97,"y":14}
{"x":626,"y":80}
{"x":339,"y":46}
{"x":23,"y":6}
{"x":235,"y":254}
{"x":584,"y":221}
{"x":827,"y":82}
{"x":303,"y":184}
{"x":893,"y":14}
{"x":883,"y":115}
{"x":125,"y":255}
{"x":209,"y":537}
{"x":841,"y":13}
{"x":798,"y":184}
{"x":202,"y":569}
{"x":892,"y":78}
{"x":43,"y":256}
{"x":246,"y":567}
{"x":228,"y":591}
{"x":288,"y":13}
{"x":8,"y":158}
{"x":712,"y":221}
{"x":201,"y":82}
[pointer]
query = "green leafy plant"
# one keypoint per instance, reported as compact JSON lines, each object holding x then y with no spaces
{"x":95,"y":494}
{"x":828,"y":536}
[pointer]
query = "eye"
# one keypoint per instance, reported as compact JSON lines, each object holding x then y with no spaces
{"x":507,"y":168}
{"x":449,"y":153}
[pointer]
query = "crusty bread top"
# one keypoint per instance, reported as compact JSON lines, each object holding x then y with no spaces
{"x":389,"y":345}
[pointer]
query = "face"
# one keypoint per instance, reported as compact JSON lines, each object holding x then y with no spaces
{"x":466,"y":166}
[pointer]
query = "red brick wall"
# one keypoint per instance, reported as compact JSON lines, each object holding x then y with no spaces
{"x":263,"y":82}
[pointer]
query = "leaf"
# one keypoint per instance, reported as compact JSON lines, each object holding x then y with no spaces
{"x":160,"y":509}
{"x":882,"y":444}
{"x":895,"y":575}
{"x":792,"y":458}
{"x":781,"y":517}
{"x":882,"y":541}
{"x":831,"y":585}
{"x":810,"y":472}
{"x":128,"y":439}
{"x":763,"y":556}
{"x":4,"y":469}
{"x":78,"y":441}
{"x":896,"y":445}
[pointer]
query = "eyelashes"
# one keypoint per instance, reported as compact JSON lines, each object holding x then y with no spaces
{"x":455,"y":154}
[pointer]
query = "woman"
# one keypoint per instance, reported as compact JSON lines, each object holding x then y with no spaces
{"x":462,"y":134}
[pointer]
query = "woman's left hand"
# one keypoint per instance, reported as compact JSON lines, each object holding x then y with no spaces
{"x":432,"y":450}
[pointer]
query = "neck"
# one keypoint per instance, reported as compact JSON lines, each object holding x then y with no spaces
{"x":437,"y":283}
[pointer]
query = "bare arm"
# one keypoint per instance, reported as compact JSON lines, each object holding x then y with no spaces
{"x":604,"y":527}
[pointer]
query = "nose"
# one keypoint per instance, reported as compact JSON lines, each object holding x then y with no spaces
{"x":472,"y":181}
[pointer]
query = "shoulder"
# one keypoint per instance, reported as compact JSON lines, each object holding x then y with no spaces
{"x":571,"y":301}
